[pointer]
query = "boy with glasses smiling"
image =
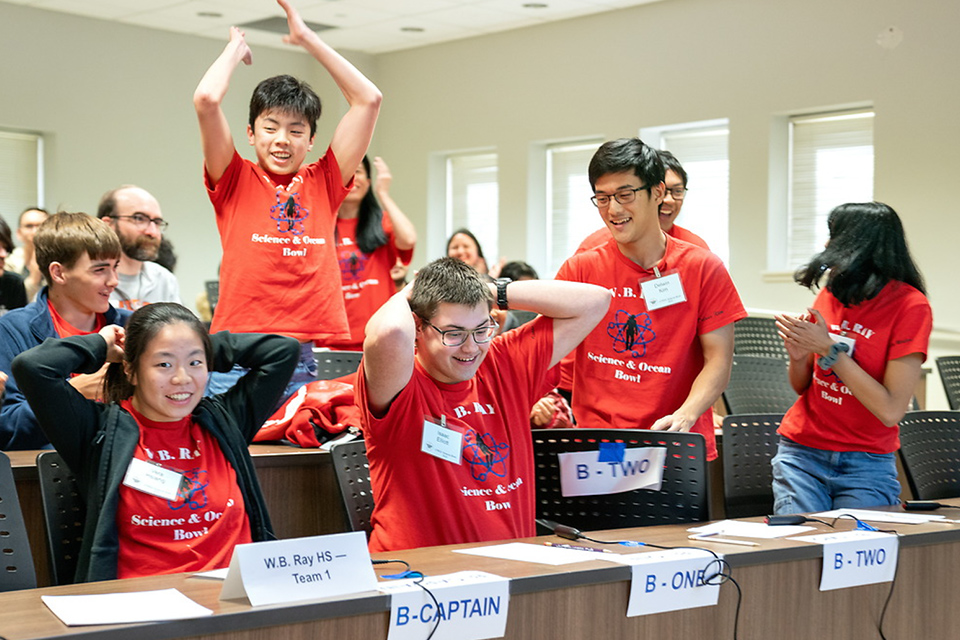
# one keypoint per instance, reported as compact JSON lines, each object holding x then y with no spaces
{"x":662,"y":355}
{"x":446,"y":405}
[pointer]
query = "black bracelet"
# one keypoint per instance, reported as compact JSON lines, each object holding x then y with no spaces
{"x":827,"y":361}
{"x":502,"y":293}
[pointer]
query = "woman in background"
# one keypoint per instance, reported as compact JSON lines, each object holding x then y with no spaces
{"x":370,"y":241}
{"x":855,"y":359}
{"x":165,"y":473}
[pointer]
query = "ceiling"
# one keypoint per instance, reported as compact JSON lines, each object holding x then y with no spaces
{"x":371,"y":26}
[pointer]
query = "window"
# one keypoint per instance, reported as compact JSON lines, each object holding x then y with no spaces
{"x":472,"y":199}
{"x":570,"y":215}
{"x":701,"y":147}
{"x":831,"y":162}
{"x":21,"y":175}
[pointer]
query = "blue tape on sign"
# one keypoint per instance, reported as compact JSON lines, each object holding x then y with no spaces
{"x":612,"y":451}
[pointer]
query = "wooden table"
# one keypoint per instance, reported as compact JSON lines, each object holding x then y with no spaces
{"x":298,"y":484}
{"x":779,"y":579}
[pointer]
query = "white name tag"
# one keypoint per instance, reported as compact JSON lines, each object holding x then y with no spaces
{"x":153,"y":479}
{"x":300,"y":569}
{"x":441,"y":442}
{"x":470,"y":605}
{"x":663,"y":292}
{"x":671,"y":581}
{"x":854,"y":558}
{"x":847,"y":340}
{"x":584,"y":474}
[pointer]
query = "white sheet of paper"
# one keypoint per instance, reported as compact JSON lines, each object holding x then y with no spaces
{"x":749,"y":529}
{"x":536,"y":553}
{"x":880,"y":516}
{"x":124,"y":608}
{"x":471,"y":605}
{"x":854,"y":558}
{"x":670,"y":580}
{"x":300,"y":569}
{"x":582,"y":475}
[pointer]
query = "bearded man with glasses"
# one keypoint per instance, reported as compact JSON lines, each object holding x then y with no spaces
{"x":135,"y":215}
{"x":661,"y":357}
{"x":445,"y":405}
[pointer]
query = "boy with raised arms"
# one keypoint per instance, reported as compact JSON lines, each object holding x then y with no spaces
{"x":446,"y":406}
{"x":276,"y":217}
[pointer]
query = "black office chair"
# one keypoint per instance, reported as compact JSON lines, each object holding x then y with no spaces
{"x":930,"y":452}
{"x":684,"y":495}
{"x":755,"y":336}
{"x":749,"y":444}
{"x":353,"y":477}
{"x":64,"y":512}
{"x":335,"y":364}
{"x":758,"y":384}
{"x":16,"y":561}
{"x":949,"y":368}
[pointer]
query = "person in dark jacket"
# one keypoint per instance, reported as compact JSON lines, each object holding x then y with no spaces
{"x":165,"y":473}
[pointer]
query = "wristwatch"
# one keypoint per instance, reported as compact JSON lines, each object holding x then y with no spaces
{"x":502,"y":293}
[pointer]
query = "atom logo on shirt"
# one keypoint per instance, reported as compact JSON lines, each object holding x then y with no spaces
{"x":352,"y":266}
{"x":193,"y":491}
{"x":289,"y":214}
{"x":631,"y":333}
{"x":484,"y":455}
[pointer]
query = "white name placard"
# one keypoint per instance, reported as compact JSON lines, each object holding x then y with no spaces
{"x":854,"y":558}
{"x":671,"y":580}
{"x":470,"y":605}
{"x":300,"y":569}
{"x":663,"y":292}
{"x":583,"y":474}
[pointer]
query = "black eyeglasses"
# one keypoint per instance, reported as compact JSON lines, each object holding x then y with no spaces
{"x":456,"y":337}
{"x":677,"y":192}
{"x":143,"y":221}
{"x":623,"y":196}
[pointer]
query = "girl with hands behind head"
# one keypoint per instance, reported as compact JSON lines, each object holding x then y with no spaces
{"x":855,"y":359}
{"x":165,"y":473}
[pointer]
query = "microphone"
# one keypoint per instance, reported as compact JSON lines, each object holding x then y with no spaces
{"x":562,"y":530}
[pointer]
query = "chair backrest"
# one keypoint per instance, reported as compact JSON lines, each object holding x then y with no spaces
{"x":949,"y":368}
{"x":353,"y":477}
{"x":334,"y":364}
{"x":930,"y":452}
{"x":64,"y":512}
{"x":749,"y":444}
{"x":758,"y":384}
{"x":16,"y":561}
{"x":755,"y":336}
{"x":684,"y":495}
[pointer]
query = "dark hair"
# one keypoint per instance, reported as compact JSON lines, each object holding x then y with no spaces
{"x":448,"y":280}
{"x":6,"y":237}
{"x":670,"y":162}
{"x":626,"y":154}
{"x":370,"y":235}
{"x":108,"y":202}
{"x":142,"y":327}
{"x":470,"y":235}
{"x":286,"y":94}
{"x":867,"y":249}
{"x":166,"y":256}
{"x":65,"y":237}
{"x":517,"y":270}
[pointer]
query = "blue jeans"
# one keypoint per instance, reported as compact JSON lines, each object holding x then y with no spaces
{"x":305,"y":372}
{"x":809,"y":480}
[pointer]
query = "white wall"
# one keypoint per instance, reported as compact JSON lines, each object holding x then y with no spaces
{"x":115,"y":103}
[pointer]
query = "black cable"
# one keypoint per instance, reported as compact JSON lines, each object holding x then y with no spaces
{"x":418,"y":577}
{"x":893,"y":582}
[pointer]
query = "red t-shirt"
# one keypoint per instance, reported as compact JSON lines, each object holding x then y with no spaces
{"x":600,"y":236}
{"x":199,"y":530}
{"x":279,"y":269}
{"x":894,"y":324}
{"x":64,"y":329}
{"x":423,"y":501}
{"x":637,"y":365}
{"x":365,"y":278}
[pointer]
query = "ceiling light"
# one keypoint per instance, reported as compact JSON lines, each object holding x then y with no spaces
{"x":412,"y":29}
{"x":534,"y":5}
{"x":209,"y":14}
